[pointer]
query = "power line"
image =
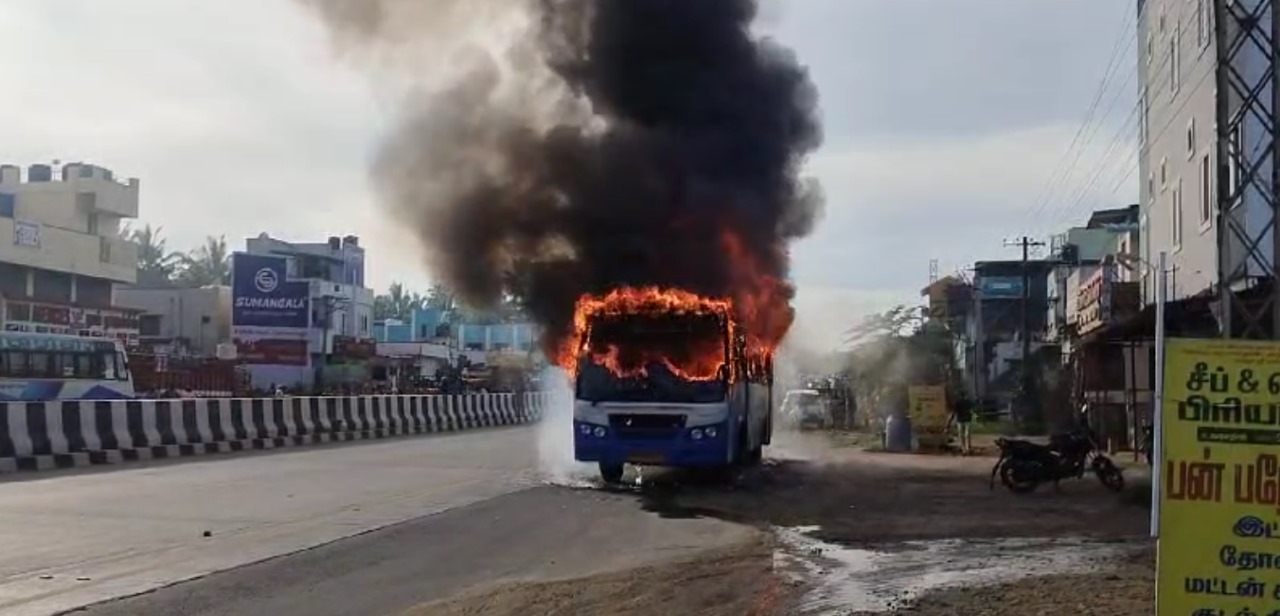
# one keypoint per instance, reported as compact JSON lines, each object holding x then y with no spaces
{"x":1152,"y":137}
{"x":1122,"y":135}
{"x":1106,"y":163}
{"x":1073,"y":193}
{"x":1055,"y":178}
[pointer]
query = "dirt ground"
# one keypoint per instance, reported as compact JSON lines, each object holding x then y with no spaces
{"x":737,"y":581}
{"x":851,"y":497}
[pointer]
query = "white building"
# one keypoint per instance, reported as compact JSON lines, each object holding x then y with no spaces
{"x":340,"y":303}
{"x":1177,"y":160}
{"x":195,"y":320}
{"x":61,"y":252}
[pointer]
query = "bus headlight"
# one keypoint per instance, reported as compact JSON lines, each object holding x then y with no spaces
{"x":599,"y":432}
{"x":711,"y":432}
{"x":585,"y":429}
{"x":695,"y":434}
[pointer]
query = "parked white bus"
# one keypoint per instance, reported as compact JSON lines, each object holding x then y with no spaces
{"x":61,"y":367}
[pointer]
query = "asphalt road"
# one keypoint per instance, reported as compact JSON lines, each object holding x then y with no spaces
{"x":536,"y":534}
{"x":71,"y":538}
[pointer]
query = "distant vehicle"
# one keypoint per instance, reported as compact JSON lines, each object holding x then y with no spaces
{"x":35,"y":367}
{"x":806,"y":408}
{"x":656,"y":416}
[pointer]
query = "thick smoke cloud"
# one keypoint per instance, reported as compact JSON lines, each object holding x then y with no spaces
{"x":550,"y":148}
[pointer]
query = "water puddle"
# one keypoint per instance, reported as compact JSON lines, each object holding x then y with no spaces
{"x":844,"y":580}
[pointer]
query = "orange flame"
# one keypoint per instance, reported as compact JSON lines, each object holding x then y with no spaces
{"x":699,"y":362}
{"x":695,"y":365}
{"x":758,"y":309}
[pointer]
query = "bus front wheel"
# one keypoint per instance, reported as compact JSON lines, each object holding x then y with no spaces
{"x":611,"y":472}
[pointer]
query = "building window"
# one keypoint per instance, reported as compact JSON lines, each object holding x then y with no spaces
{"x":1206,"y":190}
{"x":1164,"y":173}
{"x":8,"y":205}
{"x":1175,"y":220}
{"x":1175,"y":62}
{"x":92,"y":224}
{"x":1151,"y":184}
{"x":1191,"y":139}
{"x":1204,"y":16}
{"x":1151,"y":47}
{"x":104,"y":250}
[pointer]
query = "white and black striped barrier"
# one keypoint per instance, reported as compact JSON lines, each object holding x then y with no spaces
{"x":45,"y":435}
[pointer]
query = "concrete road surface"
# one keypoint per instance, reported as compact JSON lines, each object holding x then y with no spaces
{"x":541,"y":533}
{"x":68,"y":539}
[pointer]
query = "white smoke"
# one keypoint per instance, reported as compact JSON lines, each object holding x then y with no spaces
{"x":555,"y":434}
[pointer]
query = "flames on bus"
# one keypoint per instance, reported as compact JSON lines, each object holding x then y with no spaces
{"x":730,"y":351}
{"x":756,"y":313}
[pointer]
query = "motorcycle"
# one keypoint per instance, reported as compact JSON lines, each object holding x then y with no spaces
{"x":1024,"y":465}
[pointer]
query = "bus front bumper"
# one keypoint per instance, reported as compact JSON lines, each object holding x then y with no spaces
{"x":688,"y":447}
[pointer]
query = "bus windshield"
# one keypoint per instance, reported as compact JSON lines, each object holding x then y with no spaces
{"x":660,"y":358}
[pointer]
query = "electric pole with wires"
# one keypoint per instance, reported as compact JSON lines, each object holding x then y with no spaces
{"x":1028,"y":376}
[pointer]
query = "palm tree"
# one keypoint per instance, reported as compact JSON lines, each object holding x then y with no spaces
{"x":207,"y":265}
{"x":396,"y":303}
{"x":439,"y":297}
{"x":156,"y":264}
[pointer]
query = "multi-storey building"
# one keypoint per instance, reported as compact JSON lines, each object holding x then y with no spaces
{"x":61,"y":250}
{"x":300,"y":312}
{"x":1178,"y":162}
{"x":1080,"y":253}
{"x":342,"y":307}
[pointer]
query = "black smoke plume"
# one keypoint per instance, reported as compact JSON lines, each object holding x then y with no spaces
{"x":578,"y":146}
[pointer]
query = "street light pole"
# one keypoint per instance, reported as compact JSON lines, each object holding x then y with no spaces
{"x":1157,"y":404}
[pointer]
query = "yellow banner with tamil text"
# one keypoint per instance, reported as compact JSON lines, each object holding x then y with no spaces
{"x":1219,"y":550}
{"x":928,"y":404}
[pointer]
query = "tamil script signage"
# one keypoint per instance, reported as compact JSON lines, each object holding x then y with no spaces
{"x":270,"y":314}
{"x":1093,"y":302}
{"x":1219,"y":524}
{"x":995,"y":287}
{"x":928,"y":408}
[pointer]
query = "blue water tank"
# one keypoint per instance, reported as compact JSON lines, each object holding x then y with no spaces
{"x":897,"y":433}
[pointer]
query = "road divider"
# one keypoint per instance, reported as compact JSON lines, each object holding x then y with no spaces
{"x":66,"y":434}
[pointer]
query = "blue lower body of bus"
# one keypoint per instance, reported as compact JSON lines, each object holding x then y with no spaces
{"x":700,"y":446}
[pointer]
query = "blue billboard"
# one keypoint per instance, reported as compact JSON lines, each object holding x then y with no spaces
{"x":999,"y":287}
{"x":262,"y":296}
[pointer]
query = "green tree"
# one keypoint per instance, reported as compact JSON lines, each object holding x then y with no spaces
{"x":440,"y":298}
{"x":396,"y":303}
{"x":895,"y":349}
{"x":157,"y":265}
{"x":210,"y":264}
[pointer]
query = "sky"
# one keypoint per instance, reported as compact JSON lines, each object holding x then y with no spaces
{"x":951,"y":126}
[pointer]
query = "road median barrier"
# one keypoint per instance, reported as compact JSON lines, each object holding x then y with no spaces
{"x":75,"y":433}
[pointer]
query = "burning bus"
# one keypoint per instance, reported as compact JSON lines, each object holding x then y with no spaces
{"x":666,"y":378}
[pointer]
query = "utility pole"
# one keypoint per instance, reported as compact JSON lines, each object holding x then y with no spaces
{"x":1028,"y":378}
{"x":979,"y":349}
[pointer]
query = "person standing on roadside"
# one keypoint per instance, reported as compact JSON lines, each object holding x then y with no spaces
{"x":962,"y":415}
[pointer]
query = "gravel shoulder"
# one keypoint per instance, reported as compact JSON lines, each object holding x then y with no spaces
{"x":735,"y":581}
{"x":1127,"y":588}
